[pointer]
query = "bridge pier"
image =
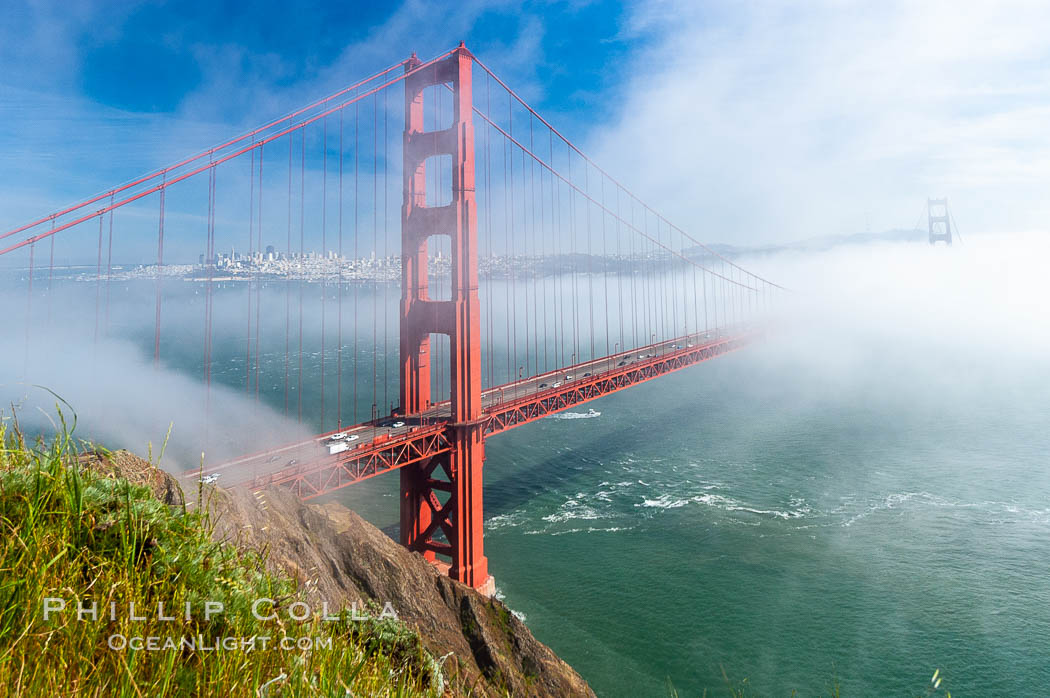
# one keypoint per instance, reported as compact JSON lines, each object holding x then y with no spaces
{"x":425,"y":517}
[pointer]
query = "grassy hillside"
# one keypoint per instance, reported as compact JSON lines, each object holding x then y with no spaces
{"x":77,"y":537}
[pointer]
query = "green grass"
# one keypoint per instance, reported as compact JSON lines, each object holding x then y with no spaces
{"x":72,"y":534}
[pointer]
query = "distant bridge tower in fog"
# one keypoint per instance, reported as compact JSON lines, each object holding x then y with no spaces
{"x":940,"y":226}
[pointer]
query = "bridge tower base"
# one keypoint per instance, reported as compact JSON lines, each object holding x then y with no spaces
{"x":441,"y":499}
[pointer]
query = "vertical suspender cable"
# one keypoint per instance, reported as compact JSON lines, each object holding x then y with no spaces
{"x":525,"y":257}
{"x":673,"y":262}
{"x":109,"y":262}
{"x":386,"y":245}
{"x":98,"y":278}
{"x":209,"y":251}
{"x":619,"y":268}
{"x":29,"y":304}
{"x":160,"y":264}
{"x":535,"y":260}
{"x":555,"y":276}
{"x":258,"y":285}
{"x":514,"y":372}
{"x":339,"y":292}
{"x":288,"y":287}
{"x":251,"y":272}
{"x":507,"y":250}
{"x":375,"y":253}
{"x":302,"y":266}
{"x":703,"y":281}
{"x":357,"y":120}
{"x":51,"y":272}
{"x":544,"y":274}
{"x":575,"y":264}
{"x":324,"y":250}
{"x":590,"y":258}
{"x":696,"y":303}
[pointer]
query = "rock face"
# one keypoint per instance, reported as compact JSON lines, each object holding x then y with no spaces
{"x":339,"y":558}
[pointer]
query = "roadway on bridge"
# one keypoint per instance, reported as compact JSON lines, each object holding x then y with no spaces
{"x":284,"y":461}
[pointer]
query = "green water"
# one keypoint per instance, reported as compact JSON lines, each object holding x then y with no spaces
{"x":750,"y":516}
{"x":861,"y":503}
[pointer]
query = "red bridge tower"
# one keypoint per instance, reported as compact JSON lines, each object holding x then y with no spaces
{"x":456,"y":475}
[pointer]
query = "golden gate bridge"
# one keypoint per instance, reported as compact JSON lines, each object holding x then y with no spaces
{"x":561,"y":286}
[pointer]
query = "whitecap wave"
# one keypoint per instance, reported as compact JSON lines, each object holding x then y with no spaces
{"x":796,"y":514}
{"x":799,"y":508}
{"x":989,"y":512}
{"x":589,"y":414}
{"x":663,"y":502}
{"x":592,"y":529}
{"x":571,"y":511}
{"x":510,"y":520}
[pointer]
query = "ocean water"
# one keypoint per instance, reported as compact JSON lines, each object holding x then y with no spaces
{"x":709,"y":521}
{"x":860,"y":498}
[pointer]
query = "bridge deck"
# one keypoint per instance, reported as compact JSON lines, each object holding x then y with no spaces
{"x":310,"y":470}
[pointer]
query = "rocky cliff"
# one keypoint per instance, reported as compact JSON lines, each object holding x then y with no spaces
{"x":339,"y":558}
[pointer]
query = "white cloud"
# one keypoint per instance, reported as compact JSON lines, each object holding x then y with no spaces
{"x":61,"y":146}
{"x":781,"y":120}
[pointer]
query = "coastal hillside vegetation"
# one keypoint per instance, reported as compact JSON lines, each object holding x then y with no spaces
{"x":73,"y":538}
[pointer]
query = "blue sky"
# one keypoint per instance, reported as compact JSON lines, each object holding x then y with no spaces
{"x":744,"y":122}
{"x":93,"y":93}
{"x":158,"y":56}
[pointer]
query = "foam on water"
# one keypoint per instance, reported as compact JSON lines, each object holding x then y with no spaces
{"x":511,"y":519}
{"x":502,"y":598}
{"x":589,"y":414}
{"x":984,"y":512}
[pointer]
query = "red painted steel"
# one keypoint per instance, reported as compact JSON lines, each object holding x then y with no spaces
{"x":199,"y":169}
{"x":618,"y":185}
{"x":440,"y":448}
{"x":428,"y":438}
{"x":207,"y":153}
{"x":423,"y":514}
{"x":529,"y":408}
{"x":312,"y":478}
